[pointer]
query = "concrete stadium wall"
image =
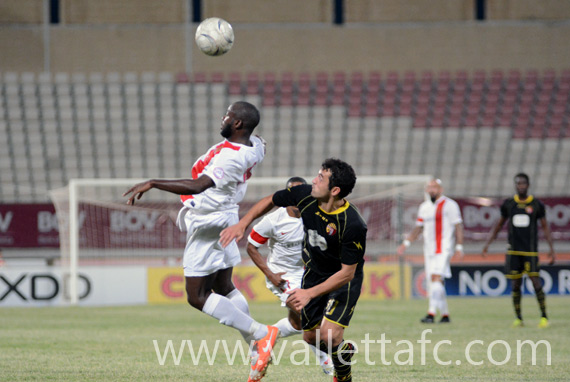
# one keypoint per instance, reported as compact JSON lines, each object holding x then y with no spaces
{"x":275,"y":11}
{"x":21,"y":11}
{"x":298,"y":48}
{"x":528,"y":9}
{"x":122,"y":12}
{"x":410,"y":11}
{"x":281,"y":11}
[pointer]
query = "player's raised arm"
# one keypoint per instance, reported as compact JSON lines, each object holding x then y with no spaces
{"x":176,"y":186}
{"x":236,"y":231}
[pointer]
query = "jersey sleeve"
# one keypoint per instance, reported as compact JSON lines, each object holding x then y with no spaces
{"x":541,"y":210}
{"x":353,"y":246}
{"x":291,"y":196}
{"x":261,"y":232}
{"x":455,"y":214}
{"x":225,"y":168}
{"x":421,"y":216}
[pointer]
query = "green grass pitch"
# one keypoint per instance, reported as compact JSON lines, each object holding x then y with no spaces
{"x":116,"y":343}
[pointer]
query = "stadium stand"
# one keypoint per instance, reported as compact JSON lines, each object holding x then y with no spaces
{"x":475,"y":129}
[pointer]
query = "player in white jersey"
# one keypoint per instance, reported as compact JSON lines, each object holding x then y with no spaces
{"x":209,"y":205}
{"x":442,"y":226}
{"x":282,"y":230}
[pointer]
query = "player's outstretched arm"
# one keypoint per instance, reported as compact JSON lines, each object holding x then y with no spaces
{"x":260,"y":262}
{"x":236,"y":231}
{"x":548,"y":236}
{"x":177,"y":186}
{"x":301,"y":297}
{"x":493,"y":234}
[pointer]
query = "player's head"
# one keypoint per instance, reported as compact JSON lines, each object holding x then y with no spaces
{"x":434,"y":188}
{"x":522,"y":183}
{"x":336,"y":178}
{"x":295,"y":181}
{"x":240,"y":116}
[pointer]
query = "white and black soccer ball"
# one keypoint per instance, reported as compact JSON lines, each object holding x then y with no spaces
{"x":214,"y":36}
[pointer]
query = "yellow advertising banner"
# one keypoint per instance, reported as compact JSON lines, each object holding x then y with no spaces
{"x":381,"y":282}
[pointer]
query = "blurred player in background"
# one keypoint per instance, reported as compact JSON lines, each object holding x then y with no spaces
{"x":282,"y":230}
{"x":440,"y":221}
{"x":209,"y":205}
{"x":523,"y":212}
{"x":333,"y":253}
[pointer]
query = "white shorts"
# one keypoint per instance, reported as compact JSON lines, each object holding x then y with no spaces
{"x":293,"y":281}
{"x":438,"y":265}
{"x":204,"y":254}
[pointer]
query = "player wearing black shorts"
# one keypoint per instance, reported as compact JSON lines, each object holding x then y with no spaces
{"x":333,"y":253}
{"x":523,"y":212}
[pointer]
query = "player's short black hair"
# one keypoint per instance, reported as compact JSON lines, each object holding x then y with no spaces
{"x":247,"y":113}
{"x":522,"y":175}
{"x":295,"y":179}
{"x":342,"y":176}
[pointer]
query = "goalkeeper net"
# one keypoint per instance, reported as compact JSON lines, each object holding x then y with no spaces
{"x":97,"y":227}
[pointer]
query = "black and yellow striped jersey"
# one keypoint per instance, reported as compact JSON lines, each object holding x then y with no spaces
{"x":523,"y":217}
{"x":331,"y":239}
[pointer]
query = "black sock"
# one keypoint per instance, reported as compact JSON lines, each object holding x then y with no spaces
{"x":341,"y":356}
{"x":541,"y":298}
{"x":517,"y":304}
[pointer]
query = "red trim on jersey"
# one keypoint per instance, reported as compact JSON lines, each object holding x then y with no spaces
{"x":438,"y":227}
{"x":200,"y":165}
{"x":258,"y":238}
{"x":420,"y":220}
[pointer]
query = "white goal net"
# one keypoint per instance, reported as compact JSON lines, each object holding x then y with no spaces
{"x":97,"y":227}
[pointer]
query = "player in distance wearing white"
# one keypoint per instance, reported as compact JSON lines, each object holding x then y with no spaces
{"x":282,"y":231}
{"x":440,"y":221}
{"x":210,"y":204}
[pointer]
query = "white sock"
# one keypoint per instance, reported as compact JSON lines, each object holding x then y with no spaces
{"x":433,"y":304}
{"x":442,"y":299}
{"x":237,"y":298}
{"x":322,"y":356}
{"x":285,"y":328}
{"x":438,"y":295}
{"x":222,"y":309}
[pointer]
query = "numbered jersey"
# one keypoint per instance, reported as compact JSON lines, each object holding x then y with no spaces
{"x":331,"y":239}
{"x":523,"y":216}
{"x":229,"y":165}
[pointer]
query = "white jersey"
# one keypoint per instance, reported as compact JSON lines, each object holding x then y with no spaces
{"x":438,"y":221}
{"x":229,"y":165}
{"x":284,"y":235}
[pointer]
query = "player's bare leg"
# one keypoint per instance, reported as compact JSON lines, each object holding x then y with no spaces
{"x":200,"y":296}
{"x":331,"y":336}
{"x":541,"y":298}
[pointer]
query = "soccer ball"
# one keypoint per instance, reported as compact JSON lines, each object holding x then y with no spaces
{"x":214,"y":36}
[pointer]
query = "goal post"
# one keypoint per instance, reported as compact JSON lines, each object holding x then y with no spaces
{"x":97,"y":227}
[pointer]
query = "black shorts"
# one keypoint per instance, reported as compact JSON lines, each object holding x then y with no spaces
{"x":517,"y":265}
{"x":336,"y":306}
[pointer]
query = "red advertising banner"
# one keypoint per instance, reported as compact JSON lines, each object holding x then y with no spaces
{"x":36,"y":226}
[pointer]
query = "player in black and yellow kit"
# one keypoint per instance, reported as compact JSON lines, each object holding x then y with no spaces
{"x":523,"y":212}
{"x":333,"y":253}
